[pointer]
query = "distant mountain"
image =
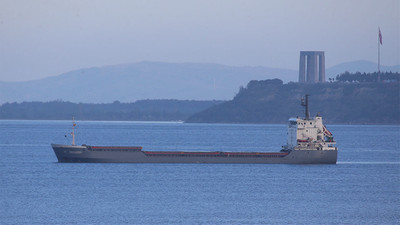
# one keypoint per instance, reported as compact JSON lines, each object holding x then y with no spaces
{"x":359,"y":66}
{"x":156,"y":80}
{"x":144,"y":80}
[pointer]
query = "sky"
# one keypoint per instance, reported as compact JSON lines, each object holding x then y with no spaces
{"x":41,"y":38}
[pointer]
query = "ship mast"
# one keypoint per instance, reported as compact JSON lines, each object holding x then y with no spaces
{"x":305,"y":104}
{"x":73,"y":131}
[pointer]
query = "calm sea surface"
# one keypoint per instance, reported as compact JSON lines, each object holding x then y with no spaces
{"x":363,"y":188}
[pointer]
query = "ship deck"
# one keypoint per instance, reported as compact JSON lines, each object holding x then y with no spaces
{"x":215,"y":154}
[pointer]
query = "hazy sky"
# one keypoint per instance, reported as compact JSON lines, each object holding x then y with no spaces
{"x":40,"y":38}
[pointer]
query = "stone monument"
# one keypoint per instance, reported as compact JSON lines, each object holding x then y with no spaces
{"x":312,"y":67}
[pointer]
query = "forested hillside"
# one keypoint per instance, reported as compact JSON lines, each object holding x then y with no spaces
{"x":354,"y":98}
{"x":144,"y":110}
{"x":271,"y":101}
{"x":368,"y":77}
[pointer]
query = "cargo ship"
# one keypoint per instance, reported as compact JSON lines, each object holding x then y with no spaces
{"x":308,"y":142}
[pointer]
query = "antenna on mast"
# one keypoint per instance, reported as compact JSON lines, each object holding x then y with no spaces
{"x":73,"y":131}
{"x":305,"y":104}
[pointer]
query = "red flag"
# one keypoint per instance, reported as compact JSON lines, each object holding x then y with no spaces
{"x":380,"y":36}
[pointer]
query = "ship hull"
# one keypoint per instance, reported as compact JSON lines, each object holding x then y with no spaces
{"x":93,"y":154}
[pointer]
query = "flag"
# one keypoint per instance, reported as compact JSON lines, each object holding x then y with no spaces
{"x":380,"y":36}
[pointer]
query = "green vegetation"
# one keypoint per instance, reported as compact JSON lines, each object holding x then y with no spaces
{"x":271,"y":101}
{"x":368,"y":77}
{"x":144,"y":110}
{"x":354,"y":98}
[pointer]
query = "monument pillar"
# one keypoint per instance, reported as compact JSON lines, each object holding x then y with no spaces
{"x":302,"y":69}
{"x":321,"y":68}
{"x":311,"y":68}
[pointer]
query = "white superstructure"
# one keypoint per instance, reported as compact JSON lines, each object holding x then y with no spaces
{"x":309,"y":133}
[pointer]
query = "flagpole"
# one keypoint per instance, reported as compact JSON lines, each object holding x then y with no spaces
{"x":379,"y":55}
{"x":379,"y":52}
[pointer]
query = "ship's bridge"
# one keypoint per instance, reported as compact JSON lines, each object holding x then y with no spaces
{"x":308,"y":133}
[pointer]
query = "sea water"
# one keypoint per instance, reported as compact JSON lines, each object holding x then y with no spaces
{"x":362,"y":188}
